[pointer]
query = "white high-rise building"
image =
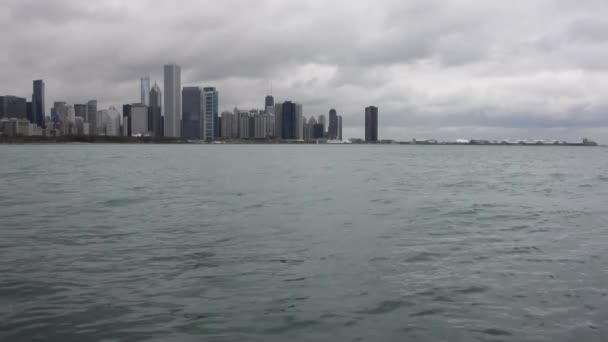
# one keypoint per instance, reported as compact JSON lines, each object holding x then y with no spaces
{"x":270,"y":130}
{"x":102,"y":118}
{"x":230,"y":126}
{"x":173,"y":101}
{"x":113,"y":122}
{"x":243,"y":119}
{"x":262,"y":125}
{"x":65,"y":118}
{"x":108,"y":122}
{"x":145,"y":90}
{"x":139,"y":120}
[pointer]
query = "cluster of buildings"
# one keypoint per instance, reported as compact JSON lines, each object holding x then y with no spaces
{"x":188,"y":113}
{"x":21,"y":117}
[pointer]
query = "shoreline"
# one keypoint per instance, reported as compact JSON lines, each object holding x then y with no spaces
{"x":174,"y":141}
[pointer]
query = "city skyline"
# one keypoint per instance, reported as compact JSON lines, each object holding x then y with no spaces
{"x":445,"y":79}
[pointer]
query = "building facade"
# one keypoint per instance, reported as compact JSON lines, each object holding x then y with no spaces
{"x":126,"y":120}
{"x":13,"y":107}
{"x":139,"y":120}
{"x":332,"y":130}
{"x":371,"y":124}
{"x":288,"y":121}
{"x":193,"y":118}
{"x":322,"y":120}
{"x":155,"y":108}
{"x":173,"y":101}
{"x":230,"y":127}
{"x":92,"y":116}
{"x":211,"y":111}
{"x":269,"y":104}
{"x":38,"y":103}
{"x":108,"y":122}
{"x":243,"y":123}
{"x":80,"y":111}
{"x":145,"y":90}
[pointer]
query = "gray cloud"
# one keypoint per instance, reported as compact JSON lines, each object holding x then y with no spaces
{"x":447,"y":69}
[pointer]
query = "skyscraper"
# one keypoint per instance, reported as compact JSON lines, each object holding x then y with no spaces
{"x":309,"y":127}
{"x":269,"y":104}
{"x":38,"y":104}
{"x":278,"y":120}
{"x":64,"y":118}
{"x":81,"y":111}
{"x":126,"y":120}
{"x":332,"y":131}
{"x":155,"y":117}
{"x":289,"y":124}
{"x":323,"y":121}
{"x":211,"y":112}
{"x":173,"y":101}
{"x":145,"y":90}
{"x":340,"y":127}
{"x":92,"y":116}
{"x":30,"y":112}
{"x":193,"y":119}
{"x":13,"y":107}
{"x":299,"y":122}
{"x":139,"y":119}
{"x":243,"y":123}
{"x":55,"y":114}
{"x":230,"y":127}
{"x":108,"y":122}
{"x":371,"y":124}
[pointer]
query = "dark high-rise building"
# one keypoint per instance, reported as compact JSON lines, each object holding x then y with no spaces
{"x":289,"y":122}
{"x":155,"y":118}
{"x":38,"y":104}
{"x":126,"y":120}
{"x":92,"y":116}
{"x":193,"y":119}
{"x":269,"y":104}
{"x":340,"y":127}
{"x":252,"y":126}
{"x":332,"y":131}
{"x":318,"y":131}
{"x":80,"y":111}
{"x":371,"y":124}
{"x":29,"y":112}
{"x":13,"y":107}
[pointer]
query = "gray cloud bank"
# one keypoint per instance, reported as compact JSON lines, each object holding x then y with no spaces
{"x":443,"y":69}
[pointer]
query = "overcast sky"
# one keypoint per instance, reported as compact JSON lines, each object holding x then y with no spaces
{"x":442,"y":69}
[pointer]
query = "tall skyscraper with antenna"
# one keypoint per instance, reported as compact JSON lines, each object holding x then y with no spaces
{"x":269,"y":102}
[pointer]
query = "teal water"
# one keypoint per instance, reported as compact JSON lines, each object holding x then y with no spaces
{"x":303,"y":243}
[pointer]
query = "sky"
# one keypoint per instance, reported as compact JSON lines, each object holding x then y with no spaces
{"x":443,"y":69}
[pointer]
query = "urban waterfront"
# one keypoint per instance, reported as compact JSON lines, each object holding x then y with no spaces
{"x":120,"y":242}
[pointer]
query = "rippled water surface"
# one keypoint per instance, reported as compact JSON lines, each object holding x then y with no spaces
{"x":303,"y":243}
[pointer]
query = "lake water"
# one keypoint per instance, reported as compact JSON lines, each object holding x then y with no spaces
{"x":303,"y":243}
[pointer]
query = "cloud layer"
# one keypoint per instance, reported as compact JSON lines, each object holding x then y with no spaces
{"x":441,"y":69}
